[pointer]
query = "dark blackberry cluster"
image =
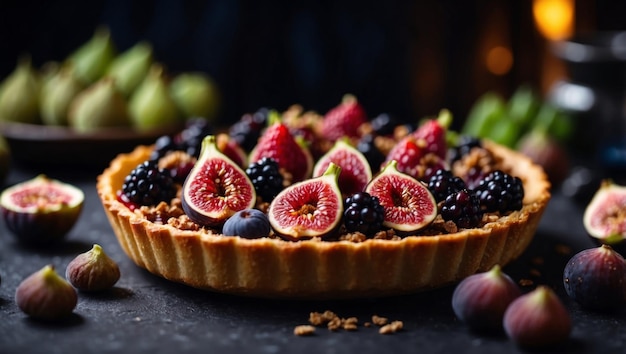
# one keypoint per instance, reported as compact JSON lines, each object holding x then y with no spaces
{"x":463,"y":208}
{"x":368,"y":148}
{"x":384,"y":124}
{"x":443,"y":183}
{"x":363,"y":213}
{"x":266,"y":178}
{"x":463,"y":147}
{"x":149,"y":185}
{"x":247,"y":130}
{"x":188,"y":140}
{"x":499,"y":191}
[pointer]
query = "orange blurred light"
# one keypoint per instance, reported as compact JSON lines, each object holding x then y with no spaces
{"x":554,"y":18}
{"x":499,"y":60}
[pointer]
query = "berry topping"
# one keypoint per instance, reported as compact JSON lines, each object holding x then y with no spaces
{"x":266,"y":178}
{"x":190,"y":139}
{"x":463,"y":147}
{"x":373,"y":155}
{"x":443,"y":183}
{"x":148,"y":184}
{"x":432,"y":133}
{"x":344,"y":120}
{"x":384,"y":124}
{"x":499,"y":191}
{"x":363,"y":213}
{"x":247,"y":130}
{"x":463,"y":208}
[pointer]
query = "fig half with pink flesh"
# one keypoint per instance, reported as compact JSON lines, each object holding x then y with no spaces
{"x":41,"y":211}
{"x":355,"y":170}
{"x":409,"y":205}
{"x":605,"y":216}
{"x":310,"y":208}
{"x":216,"y":188}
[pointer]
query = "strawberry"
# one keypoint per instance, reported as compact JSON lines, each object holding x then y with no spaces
{"x":344,"y":119}
{"x":293,"y":156}
{"x":408,"y":153}
{"x":433,"y":134}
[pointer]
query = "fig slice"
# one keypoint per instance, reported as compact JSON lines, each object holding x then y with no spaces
{"x":409,"y":205}
{"x":355,"y":170}
{"x":309,"y":208}
{"x":216,"y":187}
{"x":605,"y":215}
{"x":41,"y":211}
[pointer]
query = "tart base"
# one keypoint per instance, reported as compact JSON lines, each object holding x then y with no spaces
{"x":315,"y":269}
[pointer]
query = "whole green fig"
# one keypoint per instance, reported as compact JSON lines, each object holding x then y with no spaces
{"x":151,"y":105}
{"x":57,"y":93}
{"x":196,"y":95}
{"x":93,"y":57}
{"x":99,"y":106}
{"x":19,"y":94}
{"x":131,"y":67}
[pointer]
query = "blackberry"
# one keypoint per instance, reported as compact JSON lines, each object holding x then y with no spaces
{"x":266,"y":178}
{"x":147,"y":184}
{"x":463,"y":208}
{"x":190,"y":139}
{"x":443,"y":183}
{"x":373,"y":155}
{"x":499,"y":191}
{"x":463,"y":147}
{"x":164,"y":145}
{"x":384,"y":124}
{"x":247,"y":130}
{"x":363,"y":213}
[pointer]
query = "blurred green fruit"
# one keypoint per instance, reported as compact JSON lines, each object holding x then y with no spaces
{"x":19,"y":94}
{"x":131,"y":67}
{"x":196,"y":95}
{"x":92,"y":59}
{"x":151,"y":106}
{"x":99,"y":106}
{"x":57,"y":93}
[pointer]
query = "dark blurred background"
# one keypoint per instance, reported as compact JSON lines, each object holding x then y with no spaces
{"x":407,"y":58}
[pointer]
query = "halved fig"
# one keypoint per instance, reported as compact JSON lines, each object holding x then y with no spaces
{"x":409,"y":205}
{"x":605,"y":215}
{"x":41,"y":211}
{"x":310,"y":208}
{"x":216,"y":187}
{"x":355,"y":170}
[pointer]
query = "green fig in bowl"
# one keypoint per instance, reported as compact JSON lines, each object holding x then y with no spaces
{"x":41,"y":211}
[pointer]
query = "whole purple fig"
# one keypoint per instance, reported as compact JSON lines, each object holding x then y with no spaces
{"x":247,"y":223}
{"x":480,"y":300}
{"x":45,"y":295}
{"x":537,"y":319}
{"x":596,"y":278}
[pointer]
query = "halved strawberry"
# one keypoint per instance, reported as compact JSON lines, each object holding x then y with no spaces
{"x":433,"y":133}
{"x":344,"y":120}
{"x":291,"y":153}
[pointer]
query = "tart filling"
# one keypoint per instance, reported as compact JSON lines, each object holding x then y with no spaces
{"x":165,"y":242}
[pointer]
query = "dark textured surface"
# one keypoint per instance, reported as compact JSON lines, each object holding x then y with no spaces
{"x":147,"y":314}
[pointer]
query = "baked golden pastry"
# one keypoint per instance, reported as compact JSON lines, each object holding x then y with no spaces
{"x":322,"y":269}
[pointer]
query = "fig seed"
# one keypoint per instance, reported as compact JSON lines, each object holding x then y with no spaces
{"x":93,"y":270}
{"x":45,"y":295}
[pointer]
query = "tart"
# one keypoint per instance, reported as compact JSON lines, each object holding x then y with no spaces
{"x":272,"y":267}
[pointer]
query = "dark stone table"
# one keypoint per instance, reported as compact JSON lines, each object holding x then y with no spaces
{"x":147,"y":314}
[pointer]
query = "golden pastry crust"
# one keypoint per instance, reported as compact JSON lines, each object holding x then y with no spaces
{"x":316,"y":269}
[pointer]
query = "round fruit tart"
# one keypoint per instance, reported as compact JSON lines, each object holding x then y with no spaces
{"x":309,"y":206}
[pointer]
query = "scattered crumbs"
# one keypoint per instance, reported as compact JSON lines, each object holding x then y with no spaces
{"x":304,"y":330}
{"x":525,"y":282}
{"x":379,"y":321}
{"x":392,"y":327}
{"x":535,"y":273}
{"x":336,"y":323}
{"x":563,"y":249}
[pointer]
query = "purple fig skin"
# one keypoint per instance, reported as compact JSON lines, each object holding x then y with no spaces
{"x":247,"y":223}
{"x":480,"y":300}
{"x":537,"y":319}
{"x":93,"y":270}
{"x":45,"y":295}
{"x":596,"y":278}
